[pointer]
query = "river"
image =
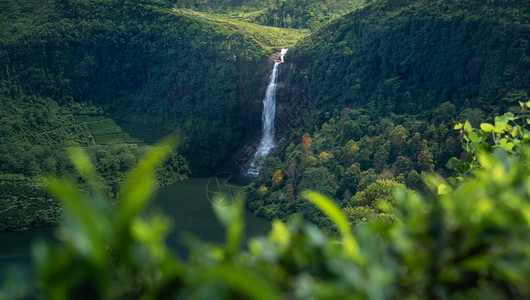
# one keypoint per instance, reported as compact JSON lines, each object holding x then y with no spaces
{"x":185,"y":202}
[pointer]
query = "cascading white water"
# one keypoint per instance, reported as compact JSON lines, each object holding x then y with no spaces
{"x":267,"y":117}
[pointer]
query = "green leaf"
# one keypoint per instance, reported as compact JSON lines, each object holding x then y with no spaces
{"x":152,"y":234}
{"x":467,"y":126}
{"x":454,"y":163}
{"x":473,"y":146}
{"x":443,"y":189}
{"x":487,"y":127}
{"x":458,"y":126}
{"x":280,"y":234}
{"x":85,"y":168}
{"x":330,"y":209}
{"x":92,"y":224}
{"x":249,"y":284}
{"x":473,"y":136}
{"x":501,"y":119}
{"x":500,"y":127}
{"x":508,"y":146}
{"x":136,"y":191}
{"x":232,"y":218}
{"x":82,"y":162}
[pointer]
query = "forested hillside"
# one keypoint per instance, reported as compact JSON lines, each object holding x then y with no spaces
{"x":400,"y":167}
{"x":169,"y":70}
{"x":376,"y":92}
{"x":383,"y":87}
{"x":114,"y":77}
{"x":466,"y":240}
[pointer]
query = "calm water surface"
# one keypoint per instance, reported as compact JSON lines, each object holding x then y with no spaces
{"x":186,"y":203}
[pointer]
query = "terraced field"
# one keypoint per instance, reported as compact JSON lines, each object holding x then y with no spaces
{"x":106,"y":131}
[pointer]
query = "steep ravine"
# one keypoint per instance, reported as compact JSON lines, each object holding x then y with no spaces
{"x":291,"y":107}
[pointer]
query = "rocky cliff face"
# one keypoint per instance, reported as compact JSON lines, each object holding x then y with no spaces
{"x":293,"y":109}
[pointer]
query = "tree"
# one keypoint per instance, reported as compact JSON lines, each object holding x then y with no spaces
{"x":277,"y":177}
{"x":306,"y":144}
{"x":425,"y":157}
{"x":377,"y":194}
{"x":399,"y":137}
{"x":413,"y":180}
{"x":401,"y":164}
{"x":349,"y":151}
{"x":324,"y":157}
{"x":316,"y":179}
{"x":445,"y":113}
{"x":381,"y":156}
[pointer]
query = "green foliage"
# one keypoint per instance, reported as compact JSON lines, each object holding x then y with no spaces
{"x":383,"y":86}
{"x":93,"y":227}
{"x":303,"y":13}
{"x":396,"y":148}
{"x":468,"y":242}
{"x":122,"y":74}
{"x":408,"y":56}
{"x":374,"y":204}
{"x":331,"y":210}
{"x":508,"y":133}
{"x":361,"y":215}
{"x":169,"y":70}
{"x":270,"y":38}
{"x":377,"y":194}
{"x":25,"y":204}
{"x":309,"y":14}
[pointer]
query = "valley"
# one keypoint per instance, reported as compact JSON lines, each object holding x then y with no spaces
{"x":367,"y":133}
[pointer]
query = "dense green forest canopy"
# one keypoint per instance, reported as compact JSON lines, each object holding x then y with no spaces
{"x":169,"y":70}
{"x":409,"y":56}
{"x":382,"y":88}
{"x":114,"y":77}
{"x":392,"y":113}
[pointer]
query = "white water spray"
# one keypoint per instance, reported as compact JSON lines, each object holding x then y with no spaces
{"x":267,"y":117}
{"x":282,"y":53}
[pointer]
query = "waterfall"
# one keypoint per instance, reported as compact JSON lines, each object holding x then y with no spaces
{"x":282,"y":53}
{"x":267,"y":117}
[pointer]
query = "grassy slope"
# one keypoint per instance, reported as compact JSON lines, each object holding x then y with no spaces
{"x":270,"y":38}
{"x":305,"y":13}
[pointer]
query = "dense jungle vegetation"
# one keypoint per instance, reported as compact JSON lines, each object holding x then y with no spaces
{"x":401,"y":170}
{"x":382,"y":88}
{"x":114,"y":77}
{"x":466,"y":238}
